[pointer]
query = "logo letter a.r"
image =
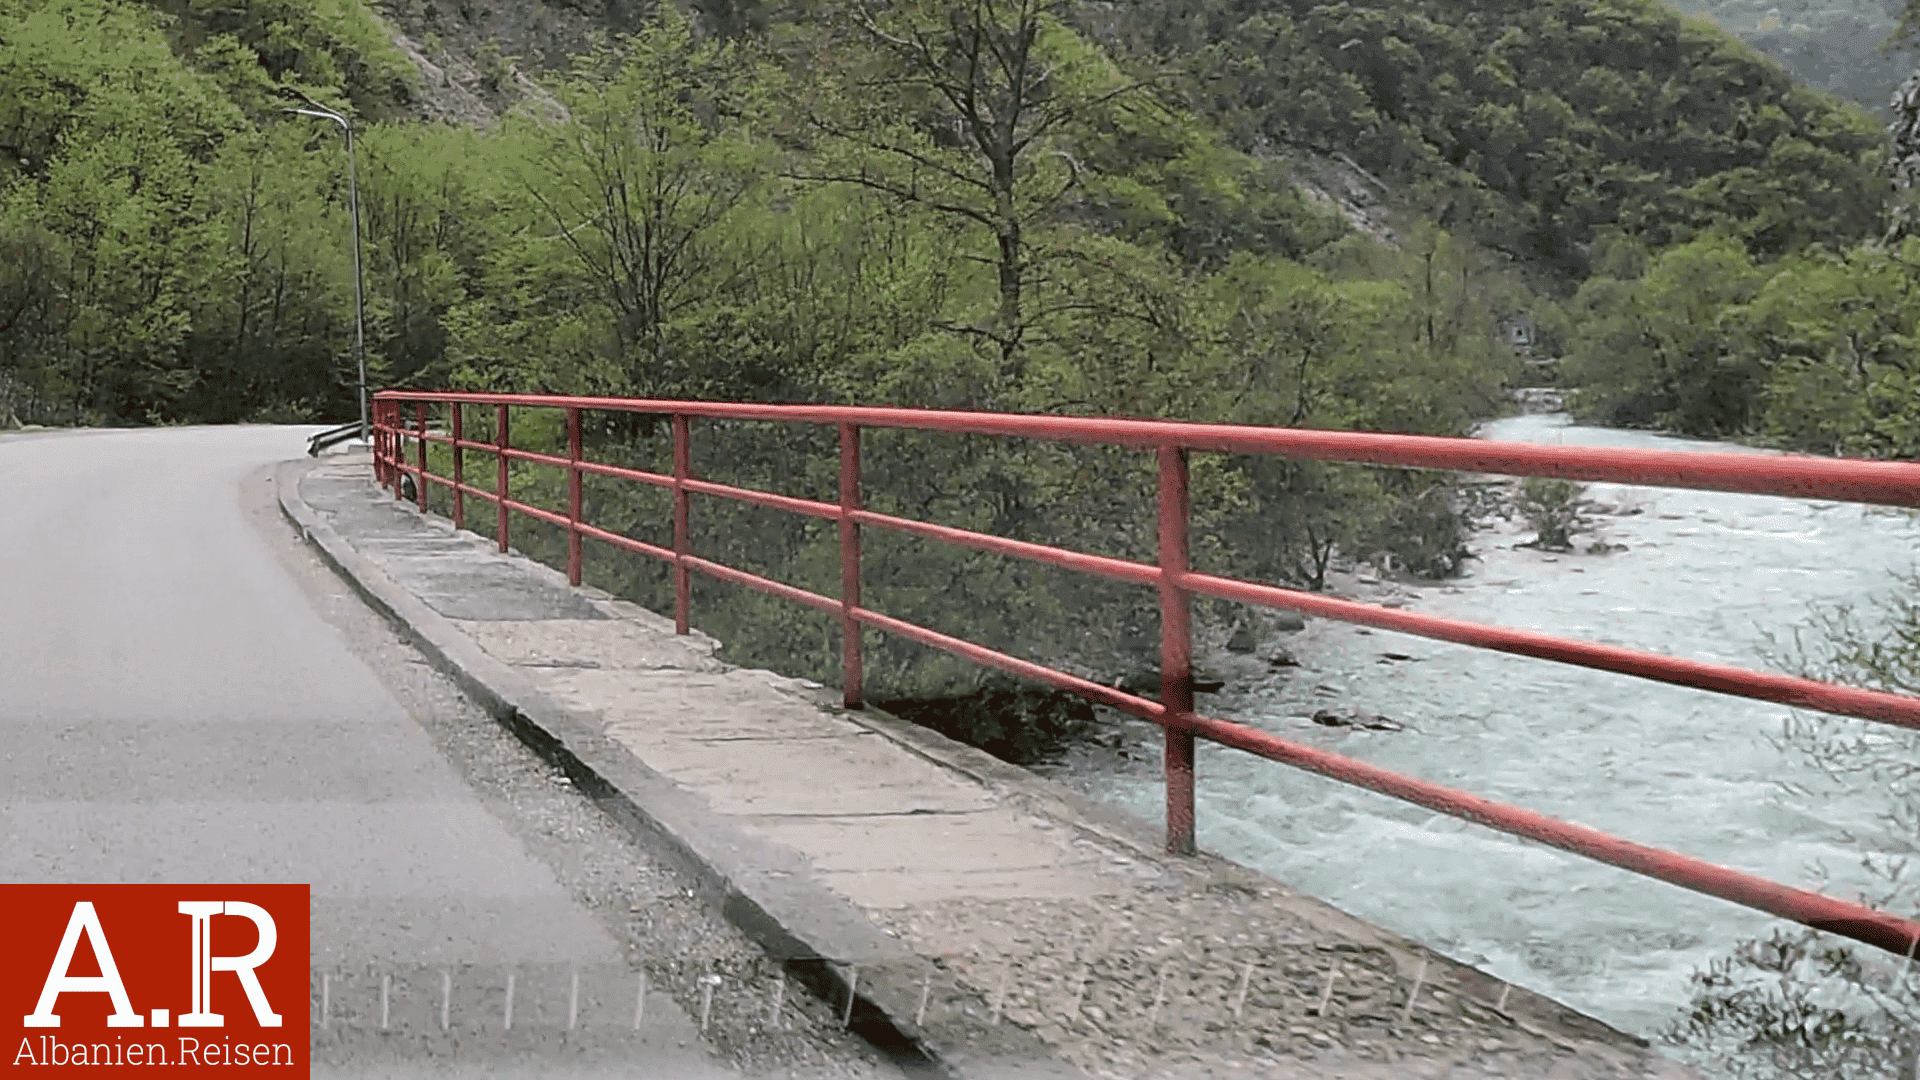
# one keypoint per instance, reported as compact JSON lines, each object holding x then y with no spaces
{"x":58,"y":982}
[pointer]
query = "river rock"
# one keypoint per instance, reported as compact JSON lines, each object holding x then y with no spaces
{"x":1287,"y":622}
{"x":1356,"y":718}
{"x":1282,"y":657}
{"x":1148,"y":682}
{"x":1244,"y":640}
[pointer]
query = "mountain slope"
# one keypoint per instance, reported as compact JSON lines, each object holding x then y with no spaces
{"x":1538,"y":127}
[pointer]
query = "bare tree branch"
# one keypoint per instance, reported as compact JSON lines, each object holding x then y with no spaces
{"x":896,"y":190}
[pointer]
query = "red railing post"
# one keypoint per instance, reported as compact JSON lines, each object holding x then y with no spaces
{"x":682,"y":470}
{"x":420,"y":482}
{"x":379,"y":437}
{"x":390,"y":438}
{"x":850,"y":674}
{"x":573,"y":495}
{"x":500,"y":440}
{"x":1176,"y":650}
{"x":459,"y":473}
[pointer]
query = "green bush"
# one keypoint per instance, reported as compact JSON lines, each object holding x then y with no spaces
{"x":1552,"y":509}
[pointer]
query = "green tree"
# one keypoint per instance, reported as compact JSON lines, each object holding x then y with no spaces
{"x":321,"y":45}
{"x":639,"y":183}
{"x":974,"y":110}
{"x":109,"y":130}
{"x":271,"y":306}
{"x":424,"y":237}
{"x":1835,"y":333}
{"x":1661,"y":351}
{"x":1535,"y":126}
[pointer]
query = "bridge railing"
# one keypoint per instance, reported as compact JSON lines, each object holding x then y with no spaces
{"x":1882,"y":483}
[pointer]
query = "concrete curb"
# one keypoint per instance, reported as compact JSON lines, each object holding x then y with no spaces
{"x":767,"y":890}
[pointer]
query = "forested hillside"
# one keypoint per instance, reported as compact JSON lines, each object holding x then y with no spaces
{"x":1007,"y":204}
{"x":1812,"y":351}
{"x":1831,"y":45}
{"x":1537,"y":127}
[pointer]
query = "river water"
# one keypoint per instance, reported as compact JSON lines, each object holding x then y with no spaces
{"x":1704,"y":575}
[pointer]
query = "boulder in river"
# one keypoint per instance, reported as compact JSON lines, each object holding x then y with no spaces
{"x":1148,"y":683}
{"x":1245,"y":639}
{"x":1356,"y":718}
{"x":1287,"y":622}
{"x":1281,"y":656}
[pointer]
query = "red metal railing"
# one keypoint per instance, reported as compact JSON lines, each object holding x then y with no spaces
{"x":1885,"y":483}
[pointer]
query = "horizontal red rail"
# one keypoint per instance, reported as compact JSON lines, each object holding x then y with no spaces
{"x":1699,"y":674}
{"x":1106,"y":695}
{"x":1117,"y":569}
{"x":1887,"y":931}
{"x":1887,"y":483}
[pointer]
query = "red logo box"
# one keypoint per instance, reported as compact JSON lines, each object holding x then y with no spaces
{"x":192,"y":978}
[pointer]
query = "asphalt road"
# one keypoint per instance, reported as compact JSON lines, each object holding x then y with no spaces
{"x":187,"y":695}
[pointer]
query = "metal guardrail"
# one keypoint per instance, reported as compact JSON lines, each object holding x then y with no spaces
{"x":1883,"y":483}
{"x":333,"y":436}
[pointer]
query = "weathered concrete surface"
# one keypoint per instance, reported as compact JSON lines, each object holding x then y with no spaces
{"x":1006,"y":924}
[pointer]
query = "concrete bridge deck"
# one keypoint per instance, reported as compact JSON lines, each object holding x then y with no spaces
{"x":999,"y":924}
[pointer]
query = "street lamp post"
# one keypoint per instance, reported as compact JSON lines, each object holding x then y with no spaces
{"x":353,"y":201}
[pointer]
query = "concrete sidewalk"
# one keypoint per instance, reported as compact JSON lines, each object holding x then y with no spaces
{"x":990,"y":922}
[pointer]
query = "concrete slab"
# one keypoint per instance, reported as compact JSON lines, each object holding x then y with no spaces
{"x":651,"y":706}
{"x":910,"y":889}
{"x":880,"y":860}
{"x":609,"y":644}
{"x":859,"y":773}
{"x":483,"y":589}
{"x":430,"y":543}
{"x":998,"y":839}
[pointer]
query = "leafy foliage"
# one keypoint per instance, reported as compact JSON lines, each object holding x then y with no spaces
{"x":1813,"y":352}
{"x":1551,"y":508}
{"x":319,"y":45}
{"x":1539,"y":126}
{"x":1849,"y":48}
{"x":1803,"y":1003}
{"x":986,"y":203}
{"x":1658,"y":351}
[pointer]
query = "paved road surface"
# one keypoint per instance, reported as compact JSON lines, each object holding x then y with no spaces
{"x":181,"y":701}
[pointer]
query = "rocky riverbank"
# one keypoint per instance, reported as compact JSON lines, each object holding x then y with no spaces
{"x":1234,"y":645}
{"x":1238,"y":646}
{"x":1026,"y":724}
